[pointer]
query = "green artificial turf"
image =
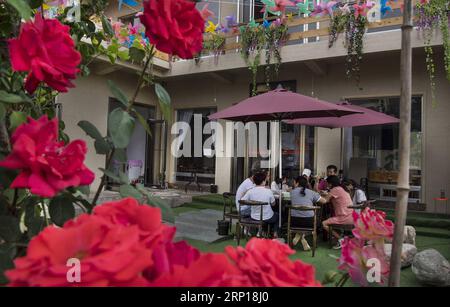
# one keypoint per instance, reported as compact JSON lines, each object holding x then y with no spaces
{"x":433,"y":231}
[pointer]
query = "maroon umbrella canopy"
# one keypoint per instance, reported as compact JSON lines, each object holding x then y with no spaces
{"x":281,"y":105}
{"x":364,"y":117}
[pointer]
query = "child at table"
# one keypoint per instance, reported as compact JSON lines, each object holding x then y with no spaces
{"x":322,"y":185}
{"x":261,"y":194}
{"x":340,"y":201}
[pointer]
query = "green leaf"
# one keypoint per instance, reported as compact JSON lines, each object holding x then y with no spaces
{"x":2,"y":111}
{"x":34,"y":4}
{"x":3,"y":205}
{"x":110,"y":174}
{"x":22,"y":7}
{"x":9,"y":228}
{"x":61,"y":210}
{"x":85,"y":189}
{"x":120,"y":155}
{"x":154,"y":201}
{"x":127,"y":190}
{"x":117,"y":93}
{"x":143,"y":122}
{"x":10,"y":98}
{"x":136,"y":55}
{"x":123,"y":55}
{"x":102,"y":147}
{"x":120,"y":127}
{"x":107,"y":28}
{"x":7,"y":253}
{"x":90,"y":129}
{"x":16,"y":119}
{"x":164,"y":100}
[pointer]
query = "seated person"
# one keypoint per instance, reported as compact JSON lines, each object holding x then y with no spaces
{"x":261,"y":194}
{"x":340,"y":201}
{"x":310,"y":179}
{"x":356,"y":193}
{"x":241,"y":191}
{"x":279,"y":185}
{"x":322,"y":185}
{"x":303,"y":196}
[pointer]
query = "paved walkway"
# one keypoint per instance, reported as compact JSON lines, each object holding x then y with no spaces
{"x":199,"y":225}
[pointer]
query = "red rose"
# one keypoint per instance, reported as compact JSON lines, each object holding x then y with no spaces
{"x":108,"y":256}
{"x":156,"y":236}
{"x":266,"y":263}
{"x":128,"y":211}
{"x":209,"y":270}
{"x":45,"y":49}
{"x":174,"y":26}
{"x":46,"y":165}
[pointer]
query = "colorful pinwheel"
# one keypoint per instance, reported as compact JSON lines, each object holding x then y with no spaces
{"x":211,"y":28}
{"x":206,"y":13}
{"x":361,"y":10}
{"x":304,"y":7}
{"x":276,"y":7}
{"x":324,"y":8}
{"x":384,"y":7}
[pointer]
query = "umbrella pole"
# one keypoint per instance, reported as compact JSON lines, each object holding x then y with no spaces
{"x":281,"y":174}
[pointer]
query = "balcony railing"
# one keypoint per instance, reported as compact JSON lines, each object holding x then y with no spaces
{"x":297,"y":34}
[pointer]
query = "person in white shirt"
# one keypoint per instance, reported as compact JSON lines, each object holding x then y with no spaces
{"x":262,"y":194}
{"x":279,"y":185}
{"x":241,"y":191}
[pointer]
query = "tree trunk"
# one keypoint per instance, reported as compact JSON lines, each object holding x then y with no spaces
{"x":405,"y":145}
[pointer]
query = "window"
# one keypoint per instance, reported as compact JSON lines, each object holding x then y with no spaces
{"x":378,"y":146}
{"x":204,"y":167}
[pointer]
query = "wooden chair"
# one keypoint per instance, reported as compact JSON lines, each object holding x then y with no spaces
{"x":229,"y":209}
{"x":249,"y":223}
{"x":303,"y":230}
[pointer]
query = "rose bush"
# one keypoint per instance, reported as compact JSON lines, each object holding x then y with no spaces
{"x":125,"y":244}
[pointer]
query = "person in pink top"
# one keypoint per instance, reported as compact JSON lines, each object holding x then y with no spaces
{"x":341,"y":201}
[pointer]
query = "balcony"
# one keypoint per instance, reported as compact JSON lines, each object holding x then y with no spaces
{"x":307,"y":42}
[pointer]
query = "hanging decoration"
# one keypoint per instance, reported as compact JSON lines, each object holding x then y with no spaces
{"x":275,"y":7}
{"x":305,"y":7}
{"x":252,"y":44}
{"x":275,"y":38}
{"x":353,"y":21}
{"x":433,"y":15}
{"x":324,"y":8}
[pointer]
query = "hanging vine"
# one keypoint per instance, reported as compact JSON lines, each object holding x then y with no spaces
{"x":252,"y":43}
{"x":275,"y":37}
{"x":354,"y":26}
{"x":433,"y":15}
{"x":214,"y":43}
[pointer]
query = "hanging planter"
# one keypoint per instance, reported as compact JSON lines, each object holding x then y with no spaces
{"x":214,"y":43}
{"x":433,"y":15}
{"x":275,"y":38}
{"x":354,"y":25}
{"x":252,"y":43}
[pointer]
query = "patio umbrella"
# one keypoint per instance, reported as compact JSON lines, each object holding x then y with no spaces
{"x":364,"y":117}
{"x":279,"y":105}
